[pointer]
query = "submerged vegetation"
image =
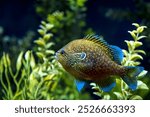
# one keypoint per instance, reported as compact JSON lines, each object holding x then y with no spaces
{"x":28,"y":69}
{"x":42,"y":78}
{"x":131,"y":57}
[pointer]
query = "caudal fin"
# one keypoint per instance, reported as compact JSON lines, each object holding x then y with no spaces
{"x":130,"y":77}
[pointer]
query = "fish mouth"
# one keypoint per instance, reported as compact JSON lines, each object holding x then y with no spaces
{"x":56,"y":55}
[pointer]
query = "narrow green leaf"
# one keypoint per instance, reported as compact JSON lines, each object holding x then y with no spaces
{"x":32,"y":61}
{"x":136,"y":97}
{"x":49,"y":52}
{"x":4,"y":60}
{"x":8,"y":60}
{"x":93,"y":84}
{"x":40,"y":55}
{"x":140,"y":51}
{"x":142,"y":86}
{"x":49,"y":26}
{"x":133,"y":35}
{"x":41,"y":32}
{"x":47,"y":37}
{"x":19,"y":61}
{"x":106,"y":97}
{"x":40,"y":42}
{"x":135,"y":57}
{"x":140,"y":29}
{"x":27,"y":55}
{"x":137,"y":44}
{"x":142,"y":74}
{"x":130,"y":45}
{"x":48,"y":45}
{"x":118,"y":95}
{"x":135,"y":24}
{"x":136,"y":63}
{"x":125,"y":52}
{"x":141,"y":37}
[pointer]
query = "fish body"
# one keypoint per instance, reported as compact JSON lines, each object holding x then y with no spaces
{"x":93,"y":59}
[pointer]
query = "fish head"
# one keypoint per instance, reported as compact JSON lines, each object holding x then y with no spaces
{"x":70,"y":55}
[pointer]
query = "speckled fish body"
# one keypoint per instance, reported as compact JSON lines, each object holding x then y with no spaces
{"x":97,"y":64}
{"x":93,"y":59}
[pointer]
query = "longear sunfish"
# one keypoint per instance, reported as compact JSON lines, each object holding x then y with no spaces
{"x":93,"y":59}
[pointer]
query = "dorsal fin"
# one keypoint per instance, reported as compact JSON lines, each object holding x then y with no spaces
{"x":117,"y":54}
{"x":102,"y":43}
{"x":96,"y":39}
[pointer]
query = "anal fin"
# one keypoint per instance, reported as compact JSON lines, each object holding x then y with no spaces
{"x":107,"y":84}
{"x":79,"y":85}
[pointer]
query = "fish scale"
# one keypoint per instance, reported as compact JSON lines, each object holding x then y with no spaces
{"x":93,"y":59}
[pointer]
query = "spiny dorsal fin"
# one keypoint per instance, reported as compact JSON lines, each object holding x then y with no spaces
{"x":102,"y":43}
{"x":96,"y":39}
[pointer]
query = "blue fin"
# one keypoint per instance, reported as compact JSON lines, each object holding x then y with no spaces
{"x":130,"y":77}
{"x":109,"y":88}
{"x":79,"y":84}
{"x":107,"y":84}
{"x":117,"y":54}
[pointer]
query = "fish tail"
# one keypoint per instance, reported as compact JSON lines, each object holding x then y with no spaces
{"x":130,"y":76}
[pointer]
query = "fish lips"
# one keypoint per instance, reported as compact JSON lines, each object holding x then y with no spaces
{"x":56,"y":55}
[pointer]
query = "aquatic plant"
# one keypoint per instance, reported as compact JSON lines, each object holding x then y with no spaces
{"x":37,"y":74}
{"x":67,"y":16}
{"x":131,"y":58}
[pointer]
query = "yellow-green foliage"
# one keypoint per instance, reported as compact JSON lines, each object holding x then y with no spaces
{"x":131,"y":58}
{"x":68,"y":17}
{"x":37,"y":74}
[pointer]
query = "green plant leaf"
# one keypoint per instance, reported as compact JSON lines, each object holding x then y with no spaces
{"x":142,"y":74}
{"x":140,"y":51}
{"x":40,"y":55}
{"x":140,"y":29}
{"x":41,"y":32}
{"x":132,"y":34}
{"x":97,"y":93}
{"x":106,"y":97}
{"x":118,"y":95}
{"x":137,"y":44}
{"x":125,"y":52}
{"x":19,"y":61}
{"x":142,"y":86}
{"x":27,"y":55}
{"x":130,"y":45}
{"x":40,"y":42}
{"x":47,"y":36}
{"x":135,"y":57}
{"x":32,"y":61}
{"x":136,"y":97}
{"x":141,"y":37}
{"x":136,"y":24}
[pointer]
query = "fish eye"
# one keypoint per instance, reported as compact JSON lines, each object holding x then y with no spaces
{"x":83,"y":55}
{"x":62,"y":51}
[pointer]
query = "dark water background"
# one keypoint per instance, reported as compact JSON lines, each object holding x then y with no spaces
{"x":19,"y":16}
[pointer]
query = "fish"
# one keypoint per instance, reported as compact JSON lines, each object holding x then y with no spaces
{"x":92,"y":59}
